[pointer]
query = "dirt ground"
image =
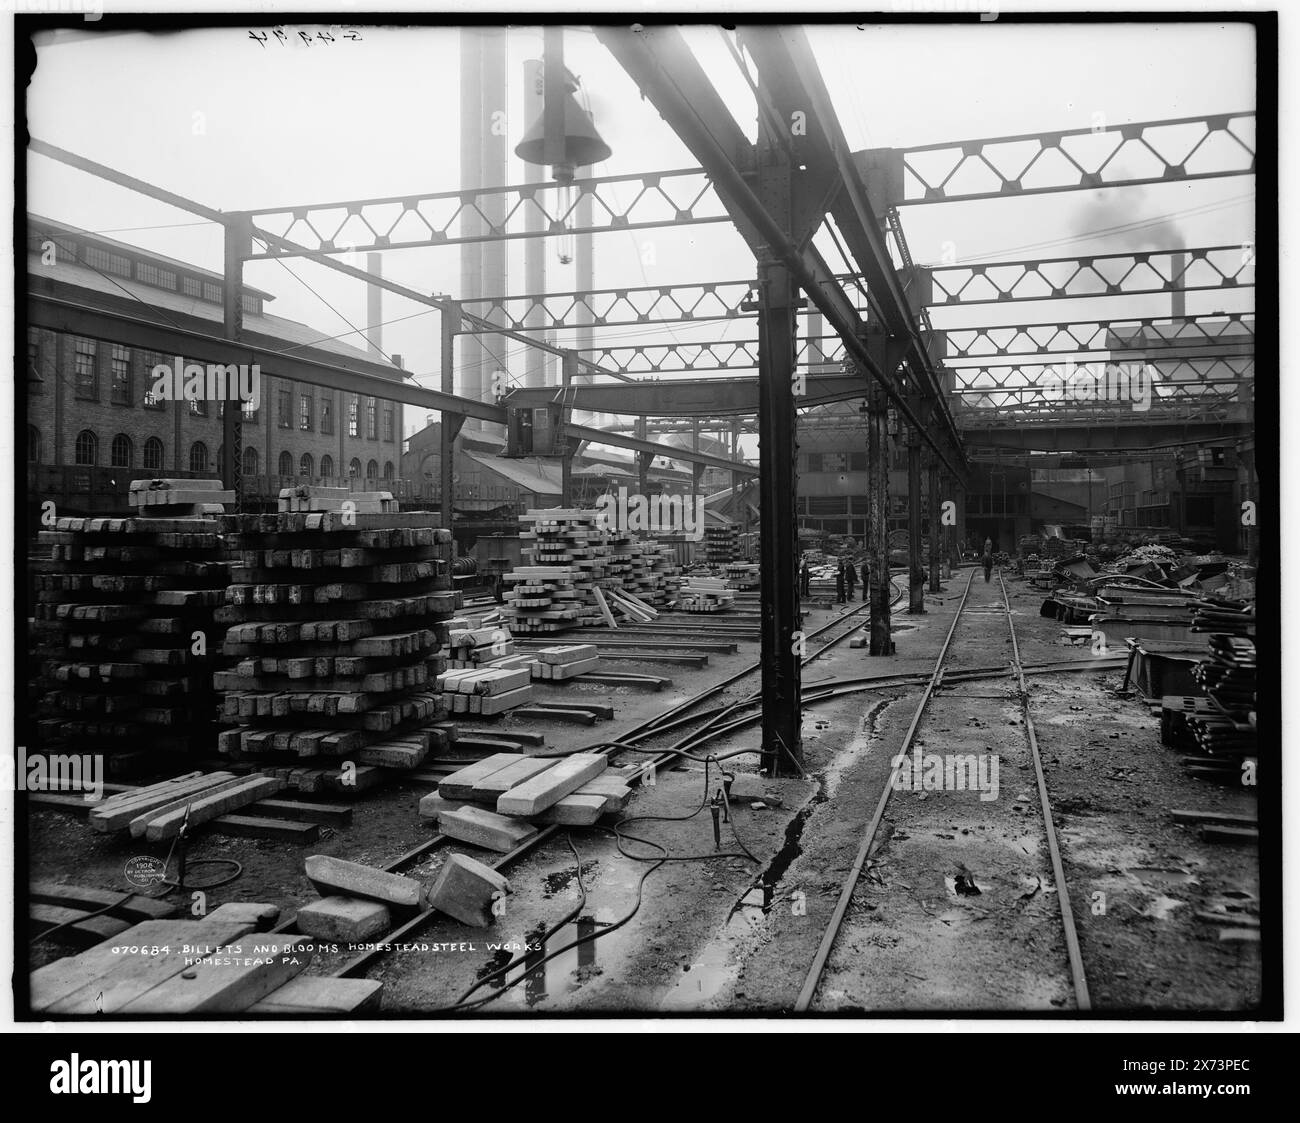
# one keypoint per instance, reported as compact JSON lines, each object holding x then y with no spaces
{"x":733,"y":931}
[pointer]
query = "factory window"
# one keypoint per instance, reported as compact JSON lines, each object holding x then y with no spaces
{"x":354,"y":408}
{"x":33,"y":444}
{"x":305,"y":465}
{"x":286,"y":464}
{"x":85,"y":368}
{"x":354,"y":467}
{"x":283,"y":409}
{"x":251,"y":304}
{"x":814,"y":462}
{"x":120,"y":381}
{"x":148,"y":361}
{"x":250,"y":461}
{"x":249,"y":411}
{"x":327,"y":415}
{"x":87,"y":447}
{"x":120,"y":451}
{"x":304,"y":412}
{"x":212,"y":292}
{"x":372,"y":419}
{"x":327,"y":466}
{"x":151,"y":274}
{"x":198,"y":407}
{"x":153,"y":454}
{"x":192,"y":286}
{"x":389,"y":430}
{"x":107,"y":262}
{"x":198,"y":457}
{"x":35,"y":383}
{"x":372,"y":470}
{"x":388,"y":469}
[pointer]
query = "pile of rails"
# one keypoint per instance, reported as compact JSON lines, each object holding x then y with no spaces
{"x":1227,"y":617}
{"x":494,"y":649}
{"x":501,"y":801}
{"x":705,"y":594}
{"x":338,"y":620}
{"x":313,"y":498}
{"x":124,"y":616}
{"x":721,"y":544}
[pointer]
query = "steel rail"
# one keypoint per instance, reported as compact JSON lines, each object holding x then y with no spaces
{"x":813,"y":978}
{"x":1077,"y":974}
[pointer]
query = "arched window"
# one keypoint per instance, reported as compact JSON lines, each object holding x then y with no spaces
{"x":305,"y":465}
{"x":388,"y":469}
{"x":87,"y":447}
{"x":198,"y":457}
{"x":33,"y":444}
{"x":153,"y":454}
{"x":372,"y":470}
{"x":327,"y":466}
{"x":250,"y":461}
{"x":121,"y":452}
{"x":286,"y":464}
{"x":354,"y":467}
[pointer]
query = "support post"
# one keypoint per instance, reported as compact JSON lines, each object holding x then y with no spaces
{"x":936,"y":574}
{"x":915,"y":567}
{"x":451,"y":422}
{"x":643,"y":461}
{"x":238,"y":243}
{"x":568,"y":372}
{"x":778,"y":543}
{"x":881,"y":642}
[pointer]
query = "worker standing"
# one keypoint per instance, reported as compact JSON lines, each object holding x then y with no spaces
{"x":988,"y":559}
{"x":839,"y":583}
{"x":805,"y":578}
{"x":866,"y":580}
{"x":850,"y":578}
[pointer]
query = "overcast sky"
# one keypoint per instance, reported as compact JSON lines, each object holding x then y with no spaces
{"x":215,"y":116}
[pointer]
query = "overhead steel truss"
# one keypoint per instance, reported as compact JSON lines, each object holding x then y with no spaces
{"x":1150,"y":332}
{"x":1144,"y":152}
{"x":709,"y":355}
{"x":1103,"y":274}
{"x":682,"y":197}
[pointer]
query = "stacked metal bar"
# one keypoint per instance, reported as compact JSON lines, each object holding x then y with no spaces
{"x":721,"y":544}
{"x":127,"y":635}
{"x":338,"y":623}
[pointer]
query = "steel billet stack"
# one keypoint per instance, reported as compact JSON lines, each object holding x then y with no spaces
{"x":721,"y":544}
{"x":338,"y":621}
{"x":125,"y":608}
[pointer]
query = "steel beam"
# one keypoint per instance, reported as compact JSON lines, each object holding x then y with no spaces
{"x":932,"y":478}
{"x":1101,"y":274}
{"x":667,"y":198}
{"x":236,"y":241}
{"x":198,"y":342}
{"x":1083,"y":159}
{"x":915,"y":570}
{"x":450,"y":424}
{"x":881,"y":642}
{"x":1048,"y":337}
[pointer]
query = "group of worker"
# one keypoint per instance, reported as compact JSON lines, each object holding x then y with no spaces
{"x":846,"y":578}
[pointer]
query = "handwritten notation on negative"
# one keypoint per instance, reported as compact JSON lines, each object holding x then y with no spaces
{"x":283,"y":37}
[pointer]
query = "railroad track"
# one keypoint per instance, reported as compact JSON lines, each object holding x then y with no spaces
{"x":1017,"y":671}
{"x":703,"y":726}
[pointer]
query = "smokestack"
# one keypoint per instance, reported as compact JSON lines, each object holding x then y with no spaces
{"x":1178,"y":302}
{"x":534,"y":248}
{"x":375,"y":307}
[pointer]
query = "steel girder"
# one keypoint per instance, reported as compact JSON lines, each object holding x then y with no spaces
{"x":1236,"y":328}
{"x":707,"y":355}
{"x":1085,"y":159}
{"x":1099,"y":435}
{"x":1175,"y":374}
{"x":1102,"y":274}
{"x":660,"y":63}
{"x":702,"y":397}
{"x":196,"y":342}
{"x":681,"y":197}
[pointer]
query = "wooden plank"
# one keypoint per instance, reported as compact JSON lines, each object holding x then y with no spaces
{"x":133,"y":907}
{"x":107,"y":977}
{"x":230,"y":981}
{"x":539,"y":793}
{"x":484,"y":828}
{"x":167,"y":822}
{"x":321,"y":994}
{"x":460,"y":785}
{"x":491,"y":787}
{"x":262,"y":826}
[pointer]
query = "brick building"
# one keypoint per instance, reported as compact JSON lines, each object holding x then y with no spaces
{"x":93,"y":425}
